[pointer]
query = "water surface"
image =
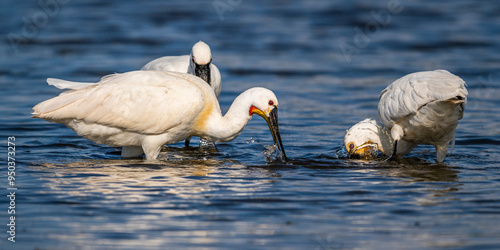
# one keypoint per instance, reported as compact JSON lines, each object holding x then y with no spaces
{"x":74,"y":194}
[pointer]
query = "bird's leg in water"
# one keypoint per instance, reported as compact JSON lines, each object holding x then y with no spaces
{"x":206,"y":145}
{"x":131,"y":152}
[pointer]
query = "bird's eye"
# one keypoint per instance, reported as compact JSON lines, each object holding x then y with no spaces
{"x":192,"y":59}
{"x":351,"y":146}
{"x":271,"y":103}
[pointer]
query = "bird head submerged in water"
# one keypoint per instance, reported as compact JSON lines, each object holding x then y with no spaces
{"x":367,"y":139}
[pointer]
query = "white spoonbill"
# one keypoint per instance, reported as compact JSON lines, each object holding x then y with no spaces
{"x":144,"y":110}
{"x":423,"y":108}
{"x":198,"y":63}
{"x":366,"y":139}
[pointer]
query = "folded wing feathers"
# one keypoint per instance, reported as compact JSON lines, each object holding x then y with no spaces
{"x":408,"y":94}
{"x":45,"y":110}
{"x":118,"y":101}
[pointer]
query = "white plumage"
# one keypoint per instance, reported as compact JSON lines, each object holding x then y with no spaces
{"x":143,"y":110}
{"x":423,"y":108}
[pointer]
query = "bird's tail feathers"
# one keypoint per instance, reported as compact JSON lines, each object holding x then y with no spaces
{"x":63,"y":84}
{"x":45,"y":110}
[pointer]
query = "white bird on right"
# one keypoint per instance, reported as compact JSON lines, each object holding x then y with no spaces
{"x":423,"y":108}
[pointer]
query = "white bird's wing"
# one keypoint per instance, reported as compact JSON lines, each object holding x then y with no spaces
{"x":147,"y":102}
{"x":408,"y":94}
{"x":63,"y":84}
{"x":169,"y":63}
{"x":216,"y":79}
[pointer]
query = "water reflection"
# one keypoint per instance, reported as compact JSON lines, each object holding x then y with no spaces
{"x":140,"y":181}
{"x":127,"y":198}
{"x":195,"y":199}
{"x":429,"y":183}
{"x":422,"y":173}
{"x":436,"y":183}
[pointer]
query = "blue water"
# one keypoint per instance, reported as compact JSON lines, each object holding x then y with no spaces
{"x":327,"y":62}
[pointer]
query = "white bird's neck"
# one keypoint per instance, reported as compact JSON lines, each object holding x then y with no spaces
{"x":228,"y":127}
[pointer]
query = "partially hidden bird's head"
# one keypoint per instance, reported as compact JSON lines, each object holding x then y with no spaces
{"x":265,"y":104}
{"x":201,"y":57}
{"x":367,"y":139}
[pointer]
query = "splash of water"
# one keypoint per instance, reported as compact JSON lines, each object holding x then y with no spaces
{"x":273,"y":154}
{"x":207,"y":146}
{"x":251,"y":140}
{"x":342,"y":153}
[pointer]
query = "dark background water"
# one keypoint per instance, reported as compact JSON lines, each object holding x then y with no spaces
{"x":327,"y":61}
